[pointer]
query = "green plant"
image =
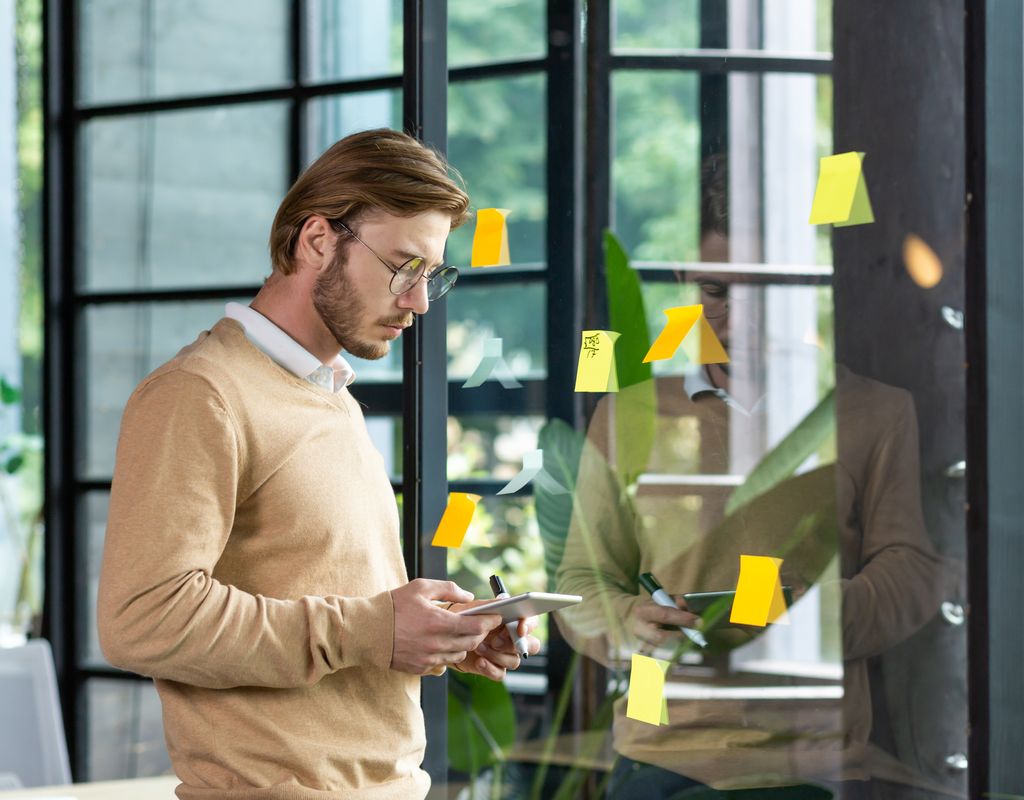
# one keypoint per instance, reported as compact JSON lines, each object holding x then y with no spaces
{"x":481,"y":726}
{"x":21,"y":507}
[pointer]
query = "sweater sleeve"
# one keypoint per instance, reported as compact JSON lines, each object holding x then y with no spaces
{"x":896,"y":589}
{"x":160,"y":611}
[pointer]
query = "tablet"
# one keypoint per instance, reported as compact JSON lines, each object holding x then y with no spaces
{"x":530,"y":604}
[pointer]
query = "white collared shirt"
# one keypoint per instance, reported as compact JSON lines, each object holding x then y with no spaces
{"x":284,"y":350}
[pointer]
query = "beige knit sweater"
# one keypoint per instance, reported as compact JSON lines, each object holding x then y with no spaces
{"x":251,"y":545}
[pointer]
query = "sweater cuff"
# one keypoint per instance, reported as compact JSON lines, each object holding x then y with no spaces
{"x":370,"y":629}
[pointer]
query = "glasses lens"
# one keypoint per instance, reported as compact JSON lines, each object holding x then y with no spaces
{"x":440,"y":284}
{"x":407,"y":275}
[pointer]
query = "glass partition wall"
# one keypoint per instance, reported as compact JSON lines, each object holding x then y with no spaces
{"x":652,"y":156}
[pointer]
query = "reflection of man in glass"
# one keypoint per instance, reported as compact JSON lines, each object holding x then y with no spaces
{"x":749,"y":713}
{"x":252,"y":563}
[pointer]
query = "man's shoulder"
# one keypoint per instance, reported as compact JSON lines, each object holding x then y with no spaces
{"x":211,"y":363}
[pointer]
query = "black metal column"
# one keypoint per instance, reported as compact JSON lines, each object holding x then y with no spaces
{"x":996,"y":567}
{"x":425,"y":377}
{"x":59,"y":626}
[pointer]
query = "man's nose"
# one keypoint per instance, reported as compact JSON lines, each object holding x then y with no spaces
{"x":416,"y":298}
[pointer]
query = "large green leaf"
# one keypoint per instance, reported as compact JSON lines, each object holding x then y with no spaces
{"x":9,"y":395}
{"x":778,"y":465}
{"x":481,"y":722}
{"x":562,"y":446}
{"x":626,"y":314}
{"x":635,"y":404}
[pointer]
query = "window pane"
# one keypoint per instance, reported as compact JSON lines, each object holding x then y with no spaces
{"x":353,"y":39}
{"x":166,"y":48}
{"x":122,"y":344}
{"x":515,"y":313}
{"x":92,"y":521}
{"x":496,"y":139}
{"x":482,"y":32}
{"x":332,"y":118}
{"x":656,"y":167}
{"x":182,"y":198}
{"x":785,"y":26}
{"x":490,"y":446}
{"x":125,"y":735}
{"x":756,"y":194}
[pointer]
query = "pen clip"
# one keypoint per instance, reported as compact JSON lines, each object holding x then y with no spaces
{"x":498,"y":585}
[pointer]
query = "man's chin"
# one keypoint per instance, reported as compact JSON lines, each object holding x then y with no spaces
{"x":369,"y":351}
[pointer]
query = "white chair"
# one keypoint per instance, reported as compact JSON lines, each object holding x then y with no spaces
{"x":32,"y":744}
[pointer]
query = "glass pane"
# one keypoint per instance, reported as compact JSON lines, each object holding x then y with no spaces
{"x":783,"y":26}
{"x":497,"y":140}
{"x":482,"y":32}
{"x":488,"y":446}
{"x":756,"y":195}
{"x":386,"y":434}
{"x":165,"y":48}
{"x":353,"y":39}
{"x":92,"y":520}
{"x":125,"y":734}
{"x":332,"y":118}
{"x":182,"y":198}
{"x":656,"y":167}
{"x":515,"y":313}
{"x":121,"y":344}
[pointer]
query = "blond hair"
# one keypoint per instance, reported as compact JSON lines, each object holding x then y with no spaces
{"x":378,"y":169}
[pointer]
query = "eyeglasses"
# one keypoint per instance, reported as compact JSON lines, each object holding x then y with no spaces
{"x":406,"y":276}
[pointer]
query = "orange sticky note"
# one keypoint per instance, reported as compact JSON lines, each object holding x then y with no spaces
{"x":596,"y":369}
{"x":702,"y":346}
{"x":759,"y":597}
{"x":923,"y":266}
{"x":490,"y":239}
{"x":455,"y":521}
{"x":841,"y":196}
{"x":646,"y":701}
{"x":680,"y":320}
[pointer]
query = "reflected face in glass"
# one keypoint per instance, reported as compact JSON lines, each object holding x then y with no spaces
{"x":352,"y":295}
{"x":714,"y":295}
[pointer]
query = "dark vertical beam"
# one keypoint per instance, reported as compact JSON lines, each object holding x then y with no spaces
{"x":598,"y":153}
{"x":1001,"y":325}
{"x":714,"y":88}
{"x":59,"y":399}
{"x":898,"y":74}
{"x":564,"y":235}
{"x":977,"y":403}
{"x":425,"y":374}
{"x":297,"y":108}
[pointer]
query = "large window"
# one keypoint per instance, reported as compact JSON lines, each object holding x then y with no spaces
{"x":651,"y":155}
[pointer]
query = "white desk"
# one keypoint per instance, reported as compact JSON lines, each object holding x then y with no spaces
{"x":161,"y":788}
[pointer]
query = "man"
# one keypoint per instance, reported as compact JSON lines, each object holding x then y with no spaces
{"x":252,"y":562}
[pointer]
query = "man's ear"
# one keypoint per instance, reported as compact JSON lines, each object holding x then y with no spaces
{"x":313,"y":248}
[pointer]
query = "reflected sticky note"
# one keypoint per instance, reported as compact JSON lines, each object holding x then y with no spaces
{"x":759,"y":597}
{"x":596,"y":369}
{"x":490,"y":239}
{"x":492,"y":365}
{"x":646,"y":701}
{"x":923,"y":265}
{"x":533,"y":470}
{"x":455,"y":521}
{"x":680,"y":321}
{"x":841,"y":197}
{"x":702,"y":346}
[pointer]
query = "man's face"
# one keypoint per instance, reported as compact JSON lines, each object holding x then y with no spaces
{"x":352,"y":295}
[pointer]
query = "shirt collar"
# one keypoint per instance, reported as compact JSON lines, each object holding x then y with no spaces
{"x":696,"y":383}
{"x":284,"y":350}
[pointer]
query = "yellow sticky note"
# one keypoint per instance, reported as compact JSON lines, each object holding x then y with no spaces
{"x":759,"y":597}
{"x":596,"y":369}
{"x":490,"y":239}
{"x":841,"y":196}
{"x":455,"y":521}
{"x":702,"y":345}
{"x":680,"y":320}
{"x":646,"y":701}
{"x":923,"y":266}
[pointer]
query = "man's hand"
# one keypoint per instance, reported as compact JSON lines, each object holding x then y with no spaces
{"x":428,"y":636}
{"x":497,"y":653}
{"x":647,"y":618}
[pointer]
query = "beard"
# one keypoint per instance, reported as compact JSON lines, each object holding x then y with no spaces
{"x":340,"y":309}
